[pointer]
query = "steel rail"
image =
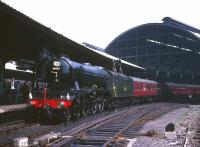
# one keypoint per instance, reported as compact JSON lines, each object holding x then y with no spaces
{"x":39,"y":133}
{"x":141,"y":120}
{"x":80,"y":130}
{"x":17,"y":128}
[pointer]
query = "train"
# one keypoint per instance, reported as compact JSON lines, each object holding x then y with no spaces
{"x":71,"y":89}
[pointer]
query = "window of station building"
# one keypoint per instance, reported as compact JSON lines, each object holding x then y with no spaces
{"x":121,"y":52}
{"x":145,"y":42}
{"x":112,"y":46}
{"x":123,"y":37}
{"x":163,"y":59}
{"x":178,"y":59}
{"x":142,"y":60}
{"x":123,"y":58}
{"x":141,"y":42}
{"x":141,"y":32}
{"x":110,"y":49}
{"x":162,"y":49}
{"x":152,"y":49}
{"x":121,"y":44}
{"x":175,"y":41}
{"x":195,"y":45}
{"x":163,"y":29}
{"x":170,"y":59}
{"x":151,"y":30}
{"x":128,"y":59}
{"x":197,"y":59}
{"x":134,"y":60}
{"x":142,"y":50}
{"x":187,"y":59}
{"x":113,"y":52}
{"x":148,"y":43}
{"x":191,"y":39}
{"x":152,"y":39}
{"x":131,"y":51}
{"x":151,"y":59}
{"x":131,"y":43}
{"x":171,"y":50}
{"x":131,"y":59}
{"x":163,"y":39}
{"x":186,"y":43}
{"x":131,"y":34}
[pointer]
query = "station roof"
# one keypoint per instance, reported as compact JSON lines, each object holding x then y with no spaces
{"x":115,"y":58}
{"x":23,"y":38}
{"x":143,"y":80}
{"x":178,"y":30}
{"x":176,"y":45}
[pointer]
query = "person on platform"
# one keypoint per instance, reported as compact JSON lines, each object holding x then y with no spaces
{"x":17,"y":87}
{"x":12,"y":96}
{"x":25,"y":92}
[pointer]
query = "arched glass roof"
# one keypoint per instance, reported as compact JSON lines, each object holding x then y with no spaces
{"x":170,"y":47}
{"x":152,"y":29}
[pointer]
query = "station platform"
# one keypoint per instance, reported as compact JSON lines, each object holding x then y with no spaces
{"x":11,"y":108}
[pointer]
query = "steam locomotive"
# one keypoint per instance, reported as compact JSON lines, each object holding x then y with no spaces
{"x":72,"y":89}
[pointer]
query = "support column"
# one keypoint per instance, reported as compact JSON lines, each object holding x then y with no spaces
{"x":157,"y":74}
{"x":181,"y":77}
{"x":2,"y":69}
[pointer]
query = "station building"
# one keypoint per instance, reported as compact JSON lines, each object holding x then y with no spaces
{"x":170,"y":51}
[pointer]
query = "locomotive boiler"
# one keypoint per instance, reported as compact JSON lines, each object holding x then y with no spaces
{"x":74,"y":89}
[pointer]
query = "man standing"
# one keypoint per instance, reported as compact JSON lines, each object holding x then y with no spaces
{"x":25,"y":92}
{"x":12,"y":97}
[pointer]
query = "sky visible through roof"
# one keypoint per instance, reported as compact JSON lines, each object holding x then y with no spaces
{"x":99,"y":22}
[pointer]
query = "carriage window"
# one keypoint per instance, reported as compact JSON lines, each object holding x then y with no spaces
{"x":139,"y":86}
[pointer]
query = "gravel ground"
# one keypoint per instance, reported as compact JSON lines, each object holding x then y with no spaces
{"x":186,"y":121}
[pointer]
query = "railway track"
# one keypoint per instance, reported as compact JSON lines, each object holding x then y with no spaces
{"x":70,"y":135}
{"x":12,"y":122}
{"x":111,"y":130}
{"x":15,"y":126}
{"x":29,"y":130}
{"x":93,"y":130}
{"x":11,"y":116}
{"x":195,"y":140}
{"x":109,"y":134}
{"x":14,"y":129}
